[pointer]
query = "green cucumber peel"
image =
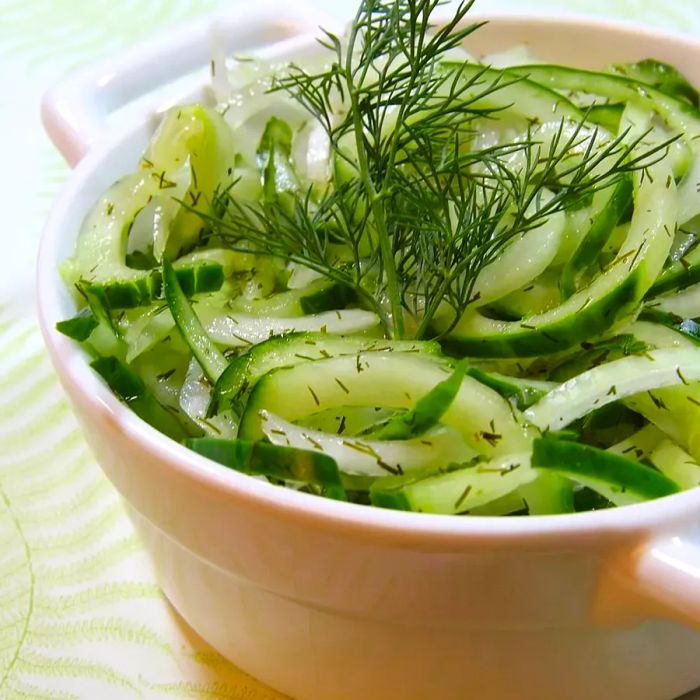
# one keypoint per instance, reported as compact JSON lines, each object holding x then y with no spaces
{"x":428,"y":409}
{"x":274,"y":159}
{"x":210,"y":358}
{"x":455,"y":488}
{"x":143,"y":290}
{"x":520,"y":392}
{"x":679,"y":274}
{"x":597,"y":466}
{"x":614,"y":381}
{"x":549,"y":494}
{"x":274,"y":462}
{"x":130,"y":388}
{"x":687,"y":327}
{"x":607,"y":115}
{"x":79,"y":327}
{"x":242,"y":374}
{"x":597,"y":236}
{"x":661,"y":76}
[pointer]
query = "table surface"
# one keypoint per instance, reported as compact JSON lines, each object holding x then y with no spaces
{"x":80,"y":613}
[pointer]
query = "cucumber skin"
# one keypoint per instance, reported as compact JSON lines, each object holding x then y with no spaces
{"x":78,"y":328}
{"x":521,"y":395}
{"x":554,"y":337}
{"x":209,"y":357}
{"x":615,"y":87}
{"x":674,"y":277}
{"x":235,"y":382}
{"x":274,"y":461}
{"x":234,"y":454}
{"x":427,"y":411}
{"x":663,"y":77}
{"x":571,"y":458}
{"x":392,"y":500}
{"x":687,"y":327}
{"x":337,"y":296}
{"x":144,"y":290}
{"x":130,"y":388}
{"x":606,"y":115}
{"x":597,"y":235}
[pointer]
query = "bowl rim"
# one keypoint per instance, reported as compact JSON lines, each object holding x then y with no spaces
{"x":69,"y":360}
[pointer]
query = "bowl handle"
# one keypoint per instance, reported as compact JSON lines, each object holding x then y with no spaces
{"x":668,"y":574}
{"x":75,"y":111}
{"x":661,"y":579}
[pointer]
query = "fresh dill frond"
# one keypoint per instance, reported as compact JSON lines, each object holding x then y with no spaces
{"x":416,"y":208}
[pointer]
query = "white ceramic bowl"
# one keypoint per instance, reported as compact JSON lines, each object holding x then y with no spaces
{"x":332,"y":601}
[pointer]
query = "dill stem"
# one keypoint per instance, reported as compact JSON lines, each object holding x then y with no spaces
{"x":376,"y":200}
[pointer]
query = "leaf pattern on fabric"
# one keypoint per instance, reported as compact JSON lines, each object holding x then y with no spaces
{"x":80,"y":613}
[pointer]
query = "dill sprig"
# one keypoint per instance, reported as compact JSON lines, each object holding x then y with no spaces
{"x":416,"y":209}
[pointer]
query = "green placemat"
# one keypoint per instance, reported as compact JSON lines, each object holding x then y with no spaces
{"x":80,"y":613}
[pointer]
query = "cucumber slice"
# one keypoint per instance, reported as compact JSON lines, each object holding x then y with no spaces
{"x":372,"y":458}
{"x":640,"y":445}
{"x":193,"y":138}
{"x":144,"y":330}
{"x":616,"y":202}
{"x":320,"y":295}
{"x":244,"y":331}
{"x":193,"y":145}
{"x":486,"y":421}
{"x":686,"y":327}
{"x":105,"y":338}
{"x":207,"y":354}
{"x":79,"y":327}
{"x":536,"y":297}
{"x":349,"y":421}
{"x":548,"y":494}
{"x":455,"y":491}
{"x":510,"y":504}
{"x":522,"y":393}
{"x":525,"y":258}
{"x":100,"y":251}
{"x":294,"y":348}
{"x":674,"y":410}
{"x":612,"y":382}
{"x":676,"y":464}
{"x":593,"y":354}
{"x":679,"y":274}
{"x":147,"y":288}
{"x":599,"y":468}
{"x":662,"y":76}
{"x":680,"y":115}
{"x":194,"y":399}
{"x":658,"y":335}
{"x":607,"y":115}
{"x":594,"y":309}
{"x":428,"y":410}
{"x":163,"y":371}
{"x":492,"y":88}
{"x":239,"y":330}
{"x":129,"y":387}
{"x":684,"y":304}
{"x":275,"y":462}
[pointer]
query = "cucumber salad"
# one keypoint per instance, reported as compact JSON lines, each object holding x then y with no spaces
{"x":398,"y":275}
